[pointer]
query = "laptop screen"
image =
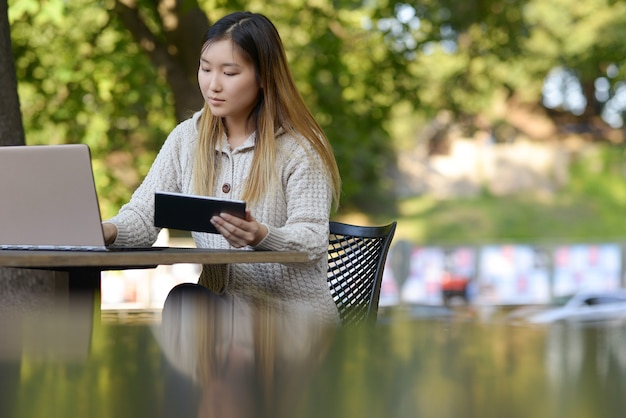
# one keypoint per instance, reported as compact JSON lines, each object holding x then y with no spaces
{"x":48,"y":197}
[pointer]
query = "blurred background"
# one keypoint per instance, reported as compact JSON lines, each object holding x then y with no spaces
{"x":491,"y":130}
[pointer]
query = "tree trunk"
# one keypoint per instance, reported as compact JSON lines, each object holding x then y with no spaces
{"x":11,"y":129}
{"x":19,"y":289}
{"x":176,"y":50}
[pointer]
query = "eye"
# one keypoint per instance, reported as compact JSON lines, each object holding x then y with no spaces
{"x":230,"y":74}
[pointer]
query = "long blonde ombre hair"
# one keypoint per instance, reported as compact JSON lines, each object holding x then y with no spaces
{"x":279,"y":105}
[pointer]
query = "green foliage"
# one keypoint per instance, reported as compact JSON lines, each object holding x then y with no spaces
{"x":463,"y":56}
{"x":589,"y":209}
{"x":83,"y":80}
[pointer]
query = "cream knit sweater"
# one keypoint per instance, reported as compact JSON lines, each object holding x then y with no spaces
{"x":296,"y":216}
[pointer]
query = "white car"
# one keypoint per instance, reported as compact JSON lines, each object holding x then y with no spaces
{"x":585,"y":307}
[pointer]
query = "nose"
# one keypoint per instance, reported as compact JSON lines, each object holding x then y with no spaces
{"x":214,"y":82}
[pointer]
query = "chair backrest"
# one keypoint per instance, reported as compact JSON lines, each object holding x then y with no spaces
{"x":356,"y":259}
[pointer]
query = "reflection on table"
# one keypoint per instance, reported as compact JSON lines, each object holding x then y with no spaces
{"x":260,"y":362}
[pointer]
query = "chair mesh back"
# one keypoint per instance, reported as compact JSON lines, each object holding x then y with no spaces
{"x":356,"y":259}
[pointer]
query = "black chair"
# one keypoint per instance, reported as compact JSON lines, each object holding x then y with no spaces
{"x":356,"y":259}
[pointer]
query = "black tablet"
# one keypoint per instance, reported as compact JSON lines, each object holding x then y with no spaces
{"x":191,"y":212}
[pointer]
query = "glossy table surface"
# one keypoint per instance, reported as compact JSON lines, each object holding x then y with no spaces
{"x":54,"y":365}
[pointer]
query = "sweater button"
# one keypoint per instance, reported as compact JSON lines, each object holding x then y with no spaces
{"x":226,"y":188}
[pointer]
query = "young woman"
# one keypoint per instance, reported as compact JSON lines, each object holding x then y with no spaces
{"x":254,"y":140}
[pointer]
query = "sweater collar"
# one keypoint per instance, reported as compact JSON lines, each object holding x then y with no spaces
{"x":223,"y":145}
{"x":247,"y":144}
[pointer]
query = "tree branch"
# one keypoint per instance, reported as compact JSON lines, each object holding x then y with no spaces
{"x":170,"y":55}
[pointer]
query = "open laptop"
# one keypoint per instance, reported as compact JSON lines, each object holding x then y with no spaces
{"x":48,"y":199}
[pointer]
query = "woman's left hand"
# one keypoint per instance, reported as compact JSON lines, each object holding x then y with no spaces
{"x":239,"y":232}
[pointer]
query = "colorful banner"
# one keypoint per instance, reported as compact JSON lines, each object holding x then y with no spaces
{"x":586,"y":268}
{"x":513,"y":275}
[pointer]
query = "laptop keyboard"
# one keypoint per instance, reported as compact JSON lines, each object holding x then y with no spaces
{"x":75,"y":248}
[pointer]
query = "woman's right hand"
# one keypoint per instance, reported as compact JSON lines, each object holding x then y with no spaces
{"x":240,"y":232}
{"x":110,"y":233}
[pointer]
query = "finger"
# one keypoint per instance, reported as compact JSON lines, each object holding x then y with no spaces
{"x":239,"y":223}
{"x":230,"y":219}
{"x":232,"y":233}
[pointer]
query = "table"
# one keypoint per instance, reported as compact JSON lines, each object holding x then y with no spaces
{"x":404,"y":368}
{"x":65,"y":332}
{"x":80,"y":270}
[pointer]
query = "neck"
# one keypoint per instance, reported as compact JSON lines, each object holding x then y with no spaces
{"x":237,"y":133}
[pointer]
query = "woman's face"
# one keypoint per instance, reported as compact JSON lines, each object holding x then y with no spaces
{"x":228,"y":82}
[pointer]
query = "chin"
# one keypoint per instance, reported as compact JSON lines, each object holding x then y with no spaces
{"x":217,"y":112}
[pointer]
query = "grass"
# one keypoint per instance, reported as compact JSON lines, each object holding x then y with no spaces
{"x":512,"y":219}
{"x":592,"y":208}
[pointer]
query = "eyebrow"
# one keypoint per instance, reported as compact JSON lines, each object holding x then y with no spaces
{"x":227,"y":64}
